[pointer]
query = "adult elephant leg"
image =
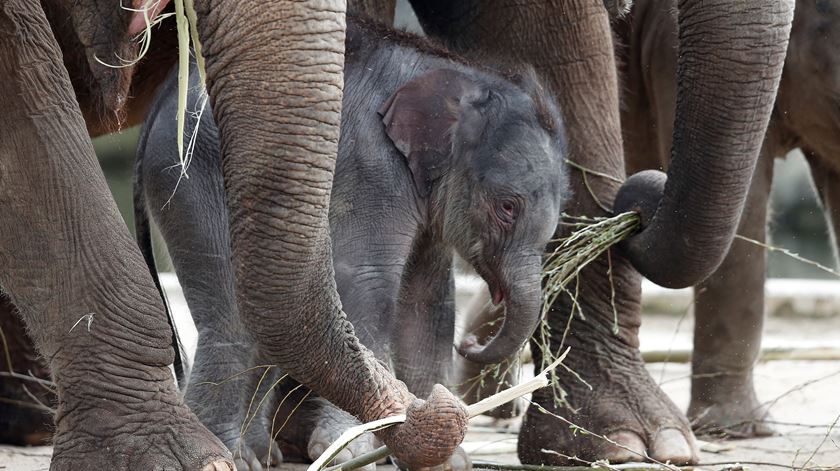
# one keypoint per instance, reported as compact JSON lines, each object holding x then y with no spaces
{"x":278,"y":173}
{"x":569,"y":42}
{"x":78,"y":279}
{"x":825,"y":172}
{"x":729,"y":315}
{"x":25,"y":416}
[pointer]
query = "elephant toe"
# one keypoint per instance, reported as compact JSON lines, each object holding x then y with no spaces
{"x":627,"y":446}
{"x":671,"y":445}
{"x":218,"y":466}
{"x":247,"y":462}
{"x":274,"y":456}
{"x":329,"y":429}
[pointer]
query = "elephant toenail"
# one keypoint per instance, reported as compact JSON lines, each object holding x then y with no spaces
{"x":344,"y":456}
{"x":218,"y":466}
{"x":240,"y":465}
{"x":671,"y":445}
{"x":629,"y":447}
{"x":315,"y":451}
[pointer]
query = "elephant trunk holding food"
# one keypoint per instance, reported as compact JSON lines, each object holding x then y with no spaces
{"x":729,"y":304}
{"x":691,"y":218}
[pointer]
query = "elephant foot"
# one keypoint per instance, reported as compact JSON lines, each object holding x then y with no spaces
{"x":178,"y":441}
{"x":23,"y":424}
{"x":259,"y":441}
{"x":254,"y":452}
{"x":314,"y":426}
{"x":726,"y":405}
{"x":127,"y":416}
{"x":632,"y":416}
{"x":459,"y":461}
{"x":332,"y":423}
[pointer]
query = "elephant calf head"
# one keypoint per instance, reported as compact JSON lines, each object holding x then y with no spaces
{"x":488,"y":152}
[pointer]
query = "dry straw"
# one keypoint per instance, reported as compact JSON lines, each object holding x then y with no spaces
{"x":591,"y":238}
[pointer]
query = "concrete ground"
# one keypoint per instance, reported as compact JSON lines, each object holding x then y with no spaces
{"x":803,"y":397}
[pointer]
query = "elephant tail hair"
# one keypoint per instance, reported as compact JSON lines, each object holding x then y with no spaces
{"x":143,"y":234}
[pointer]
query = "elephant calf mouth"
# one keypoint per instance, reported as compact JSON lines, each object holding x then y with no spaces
{"x":497,"y":295}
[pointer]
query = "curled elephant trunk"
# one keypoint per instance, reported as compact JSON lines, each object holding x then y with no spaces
{"x":520,"y":291}
{"x":730,"y":63}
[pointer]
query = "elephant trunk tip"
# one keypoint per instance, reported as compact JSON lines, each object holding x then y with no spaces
{"x":472,"y":350}
{"x":663,"y":251}
{"x":641,"y":193}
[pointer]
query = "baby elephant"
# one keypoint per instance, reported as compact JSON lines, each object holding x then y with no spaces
{"x":436,"y":156}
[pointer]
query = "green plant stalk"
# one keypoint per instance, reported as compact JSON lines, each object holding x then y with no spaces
{"x":183,"y":75}
{"x":192,"y":18}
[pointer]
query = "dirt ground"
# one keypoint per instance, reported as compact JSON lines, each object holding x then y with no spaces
{"x":803,"y":396}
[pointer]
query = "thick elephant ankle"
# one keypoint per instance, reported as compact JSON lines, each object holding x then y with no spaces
{"x":432,"y":431}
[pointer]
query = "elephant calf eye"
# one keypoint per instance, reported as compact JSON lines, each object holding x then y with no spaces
{"x":506,"y":211}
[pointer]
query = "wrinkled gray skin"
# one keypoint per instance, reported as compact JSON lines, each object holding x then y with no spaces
{"x":729,"y":305}
{"x":73,"y":256}
{"x":436,"y":156}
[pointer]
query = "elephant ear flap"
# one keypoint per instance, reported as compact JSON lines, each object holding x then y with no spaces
{"x":423,"y":118}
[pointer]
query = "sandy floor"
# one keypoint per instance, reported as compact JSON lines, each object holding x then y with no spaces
{"x":803,"y":397}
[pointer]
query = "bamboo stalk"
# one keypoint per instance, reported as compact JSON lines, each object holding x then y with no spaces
{"x":767,"y":354}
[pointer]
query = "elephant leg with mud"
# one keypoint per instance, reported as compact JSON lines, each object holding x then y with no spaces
{"x":79,"y":281}
{"x":439,"y":157}
{"x":726,"y":86}
{"x":729,"y":304}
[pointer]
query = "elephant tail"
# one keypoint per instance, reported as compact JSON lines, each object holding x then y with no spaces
{"x":143,"y":234}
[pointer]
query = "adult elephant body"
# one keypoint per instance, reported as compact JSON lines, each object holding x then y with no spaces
{"x":729,"y":305}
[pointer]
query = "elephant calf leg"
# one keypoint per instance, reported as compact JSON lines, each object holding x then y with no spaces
{"x":78,"y":279}
{"x":729,"y":312}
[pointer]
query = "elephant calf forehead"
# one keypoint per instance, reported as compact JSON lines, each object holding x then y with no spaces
{"x":519,"y":149}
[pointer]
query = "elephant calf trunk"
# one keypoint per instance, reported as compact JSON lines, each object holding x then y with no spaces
{"x":522,"y":315}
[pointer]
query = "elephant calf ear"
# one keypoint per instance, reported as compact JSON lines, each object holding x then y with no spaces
{"x":422,"y":118}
